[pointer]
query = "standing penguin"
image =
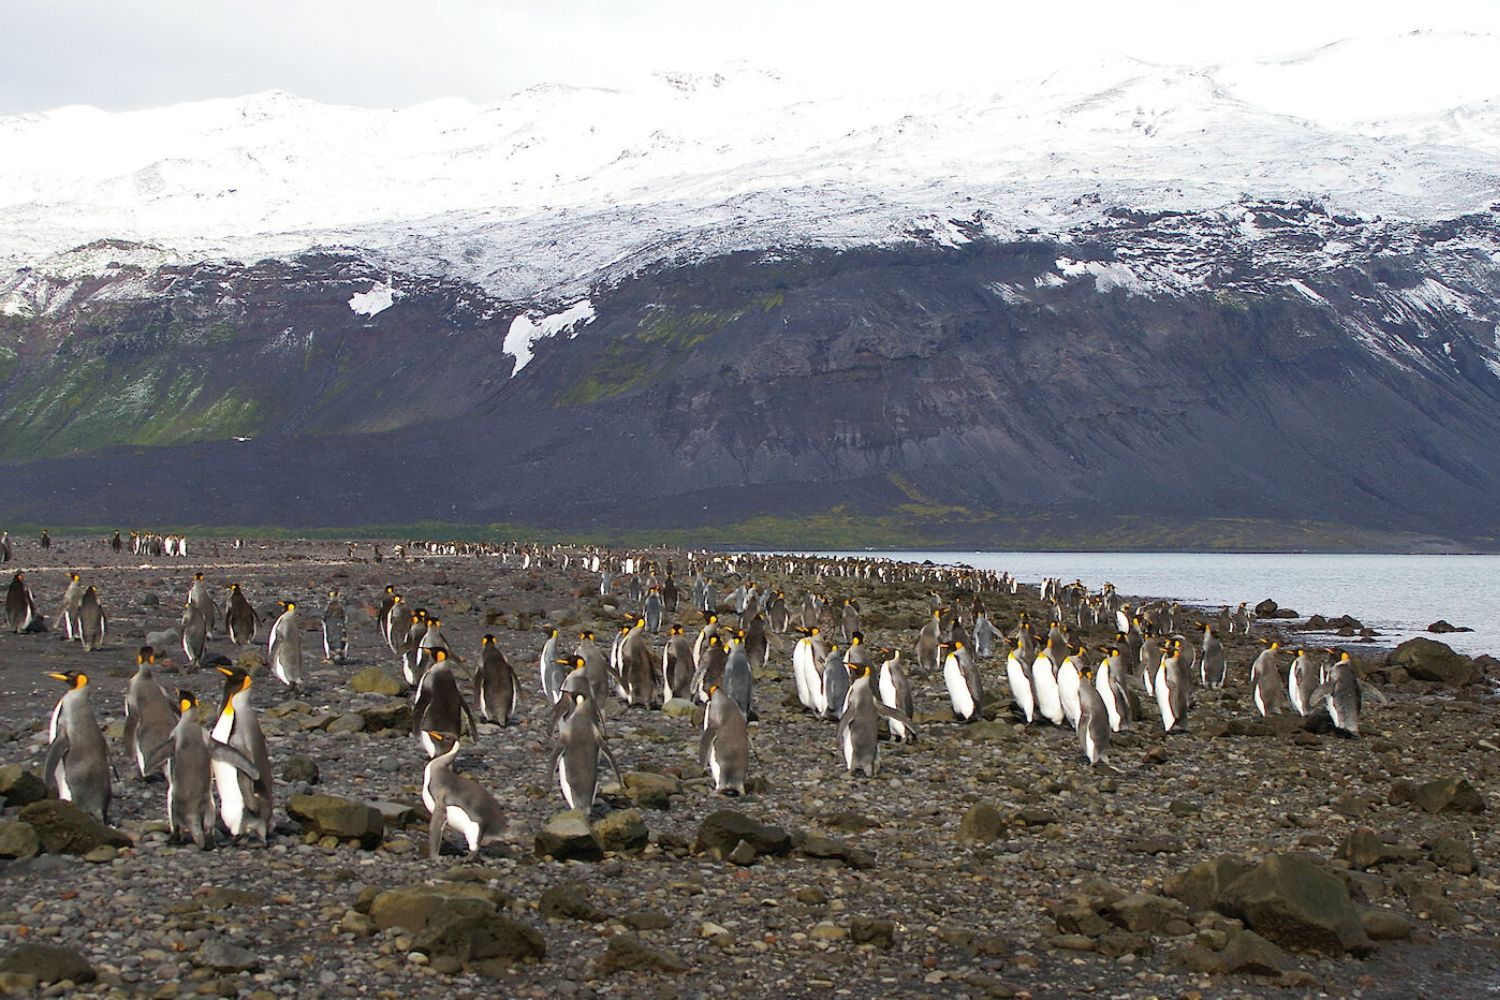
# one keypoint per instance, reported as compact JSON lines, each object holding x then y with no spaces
{"x":335,"y":629}
{"x":440,"y":705}
{"x":676,"y":665}
{"x":807,"y":668}
{"x":194,"y":627}
{"x":724,"y":747}
{"x":859,"y":726}
{"x":850,"y":618}
{"x":549,"y":667}
{"x":495,"y":687}
{"x":738,"y":680}
{"x":20,"y":609}
{"x":830,"y":700}
{"x":457,"y":800}
{"x":895,"y":694}
{"x":1266,"y":689}
{"x":240,"y":617}
{"x":150,"y":713}
{"x":285,"y":647}
{"x":1212,"y":664}
{"x":984,"y":636}
{"x":92,"y":623}
{"x":928,"y":638}
{"x":1173,"y":686}
{"x":1069,"y":682}
{"x":71,"y":602}
{"x":1093,"y":720}
{"x":637,"y":671}
{"x":245,"y":803}
{"x":1109,"y":682}
{"x":189,"y":757}
{"x":77,"y":764}
{"x":575,"y":756}
{"x":1018,"y":674}
{"x":710,"y":671}
{"x":1044,"y":685}
{"x":965,"y":689}
{"x":1344,"y":694}
{"x":199,"y":597}
{"x":651,"y":608}
{"x":1301,"y":681}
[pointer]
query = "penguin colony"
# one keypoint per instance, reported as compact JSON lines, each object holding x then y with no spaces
{"x":1097,"y":666}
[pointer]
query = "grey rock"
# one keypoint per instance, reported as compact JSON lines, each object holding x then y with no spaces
{"x":1293,"y":902}
{"x":567,"y":836}
{"x":722,"y":830}
{"x":334,"y":816}
{"x":48,"y":963}
{"x":63,"y":828}
{"x":626,"y":953}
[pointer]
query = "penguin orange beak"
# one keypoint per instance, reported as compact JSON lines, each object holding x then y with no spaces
{"x":61,"y":677}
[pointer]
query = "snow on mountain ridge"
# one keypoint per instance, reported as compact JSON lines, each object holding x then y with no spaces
{"x":544,"y":192}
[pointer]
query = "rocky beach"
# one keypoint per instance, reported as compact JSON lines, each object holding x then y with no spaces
{"x":1245,"y":856}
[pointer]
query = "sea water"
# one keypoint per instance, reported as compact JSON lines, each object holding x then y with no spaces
{"x":1397,"y":595}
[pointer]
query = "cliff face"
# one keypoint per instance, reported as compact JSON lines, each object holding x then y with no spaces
{"x":1155,"y":379}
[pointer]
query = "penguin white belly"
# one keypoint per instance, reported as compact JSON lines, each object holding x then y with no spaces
{"x":1044,"y":682}
{"x":1090,"y":748}
{"x":52,"y":726}
{"x":1260,"y":702}
{"x":60,"y":775}
{"x":958,"y":689}
{"x":427,"y":799}
{"x":848,"y":748}
{"x":1067,"y":693}
{"x":569,"y":796}
{"x":800,"y":657}
{"x":1148,"y":682}
{"x":427,"y":745}
{"x":460,"y":821}
{"x":1294,"y":688}
{"x":1020,"y":687}
{"x":888,"y":699}
{"x":140,"y":758}
{"x":1107,"y":695}
{"x":715,"y":765}
{"x":1164,"y":699}
{"x":231,"y":802}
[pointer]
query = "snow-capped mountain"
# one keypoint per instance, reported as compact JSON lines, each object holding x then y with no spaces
{"x":1122,"y":304}
{"x":547,"y":192}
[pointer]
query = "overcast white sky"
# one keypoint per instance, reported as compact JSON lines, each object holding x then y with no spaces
{"x":120,"y":55}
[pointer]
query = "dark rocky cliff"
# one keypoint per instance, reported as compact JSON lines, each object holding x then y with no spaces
{"x":1151,"y":383}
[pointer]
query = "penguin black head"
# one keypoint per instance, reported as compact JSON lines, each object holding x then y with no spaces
{"x":857,"y":638}
{"x":145,"y":655}
{"x":73,"y":678}
{"x":73,"y":577}
{"x":197,"y":576}
{"x":186,"y":701}
{"x":439,"y":654}
{"x":489,"y":639}
{"x":676,"y":629}
{"x":390,"y":588}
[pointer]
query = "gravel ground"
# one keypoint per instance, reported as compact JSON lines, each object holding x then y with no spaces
{"x":967,"y":918}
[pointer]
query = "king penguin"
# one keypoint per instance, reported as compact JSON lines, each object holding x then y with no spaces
{"x":965,"y":688}
{"x":194,"y":627}
{"x":1301,"y":681}
{"x":859,"y":726}
{"x":285,"y":647}
{"x":1069,"y":683}
{"x":1093,"y":720}
{"x":895,"y":693}
{"x":92,"y":622}
{"x":495,"y":687}
{"x":77,"y":764}
{"x":1345,"y":695}
{"x":1212,"y":664}
{"x":71,"y":602}
{"x":440,"y":706}
{"x":1044,"y":685}
{"x":738,"y":680}
{"x":676,"y":665}
{"x":240,"y":617}
{"x":457,"y":800}
{"x":724,"y":747}
{"x":1173,"y":682}
{"x":575,"y":756}
{"x":830,"y":699}
{"x":199,"y":597}
{"x":335,"y":629}
{"x":20,"y":609}
{"x":550,"y":669}
{"x":245,"y":804}
{"x":1266,"y":689}
{"x":807,"y":667}
{"x":150,"y":713}
{"x":189,"y":757}
{"x":1018,"y":674}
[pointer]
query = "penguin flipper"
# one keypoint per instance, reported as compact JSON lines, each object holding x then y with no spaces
{"x":1320,"y":692}
{"x":132,"y":723}
{"x":1368,"y":691}
{"x":895,"y":716}
{"x":704,"y":742}
{"x":604,"y":749}
{"x":419,"y":709}
{"x":226,"y":754}
{"x":463,"y":703}
{"x":156,"y":758}
{"x":437,"y":825}
{"x":57,"y":752}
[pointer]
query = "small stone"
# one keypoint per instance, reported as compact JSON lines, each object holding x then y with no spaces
{"x":827,"y":930}
{"x":300,"y":769}
{"x":48,"y":963}
{"x":743,"y":854}
{"x":374,"y":680}
{"x":1448,"y":852}
{"x":648,"y":920}
{"x":221,"y":956}
{"x":626,"y":952}
{"x":651,"y":791}
{"x":102,"y":855}
{"x":347,"y":724}
{"x":1248,"y":952}
{"x":624,"y":830}
{"x":568,"y":901}
{"x":873,"y":931}
{"x":679,"y":708}
{"x":981,"y":824}
{"x":1142,"y":912}
{"x":567,"y":836}
{"x":1072,"y":942}
{"x":1385,"y":925}
{"x":19,"y":840}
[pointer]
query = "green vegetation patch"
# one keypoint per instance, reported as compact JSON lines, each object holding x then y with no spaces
{"x":649,"y":354}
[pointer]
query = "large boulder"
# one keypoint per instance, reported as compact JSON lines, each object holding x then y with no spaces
{"x":626,"y":953}
{"x":374,"y":680}
{"x":49,"y":963}
{"x":20,"y":787}
{"x":476,"y":938}
{"x":622,"y":830}
{"x":335,"y":816}
{"x":567,"y":836}
{"x":19,"y":840}
{"x":417,"y":907}
{"x":63,"y":828}
{"x":1442,"y":795}
{"x":1292,"y":901}
{"x":390,"y":713}
{"x":722,"y":830}
{"x":651,"y":791}
{"x":981,"y":824}
{"x":1429,"y":660}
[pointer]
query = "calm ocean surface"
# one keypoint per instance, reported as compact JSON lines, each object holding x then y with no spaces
{"x":1398,"y":596}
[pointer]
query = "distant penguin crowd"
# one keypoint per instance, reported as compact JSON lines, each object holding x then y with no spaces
{"x":699,"y":630}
